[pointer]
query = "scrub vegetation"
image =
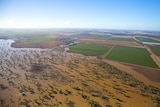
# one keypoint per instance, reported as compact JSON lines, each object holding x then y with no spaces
{"x":43,"y":69}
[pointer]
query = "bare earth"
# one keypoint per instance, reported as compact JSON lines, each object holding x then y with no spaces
{"x":147,"y":75}
{"x":23,"y":44}
{"x":55,"y":79}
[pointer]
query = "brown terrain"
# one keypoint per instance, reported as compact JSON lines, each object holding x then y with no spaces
{"x":141,"y":73}
{"x":48,"y":78}
{"x":48,"y":44}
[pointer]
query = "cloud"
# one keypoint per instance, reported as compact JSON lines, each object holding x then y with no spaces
{"x":67,"y":24}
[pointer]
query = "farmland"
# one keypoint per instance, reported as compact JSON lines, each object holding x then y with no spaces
{"x":146,"y":39}
{"x":38,"y":39}
{"x":100,"y":35}
{"x":89,"y":49}
{"x":121,"y":39}
{"x":156,"y":49}
{"x":107,"y":42}
{"x":43,"y":73}
{"x":132,"y":55}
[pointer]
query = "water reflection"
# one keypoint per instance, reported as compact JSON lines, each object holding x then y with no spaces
{"x":6,"y":49}
{"x":6,"y":43}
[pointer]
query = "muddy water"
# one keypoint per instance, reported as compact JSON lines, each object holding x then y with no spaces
{"x":7,"y":50}
{"x":11,"y":57}
{"x":6,"y":44}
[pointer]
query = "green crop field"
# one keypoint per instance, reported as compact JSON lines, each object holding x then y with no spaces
{"x":122,"y":39}
{"x":38,"y":39}
{"x":145,"y":39}
{"x":100,"y":35}
{"x":89,"y":49}
{"x":133,"y":55}
{"x":156,"y":49}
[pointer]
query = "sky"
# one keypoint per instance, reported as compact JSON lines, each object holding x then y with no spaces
{"x":108,"y":14}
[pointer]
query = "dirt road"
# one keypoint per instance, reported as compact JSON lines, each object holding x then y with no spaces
{"x":147,"y":75}
{"x":154,"y":57}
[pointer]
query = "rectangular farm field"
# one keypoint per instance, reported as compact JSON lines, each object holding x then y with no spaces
{"x":89,"y":49}
{"x":38,"y":39}
{"x":100,"y":35}
{"x":133,"y":55}
{"x":122,"y":39}
{"x":156,"y":49}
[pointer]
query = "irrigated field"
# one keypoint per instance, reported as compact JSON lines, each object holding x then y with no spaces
{"x":156,"y":49}
{"x":139,"y":56}
{"x":89,"y":49}
{"x":121,"y":39}
{"x":100,"y":35}
{"x":145,"y":39}
{"x":38,"y":39}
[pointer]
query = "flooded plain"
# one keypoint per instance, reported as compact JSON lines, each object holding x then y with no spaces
{"x":32,"y":77}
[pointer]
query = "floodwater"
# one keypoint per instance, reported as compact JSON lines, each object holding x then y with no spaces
{"x":7,"y":52}
{"x":6,"y":43}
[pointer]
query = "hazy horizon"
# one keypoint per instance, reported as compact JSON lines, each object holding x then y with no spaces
{"x":101,"y":14}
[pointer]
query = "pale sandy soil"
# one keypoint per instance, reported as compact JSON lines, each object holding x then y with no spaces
{"x":149,"y":76}
{"x":22,"y":44}
{"x":56,"y":79}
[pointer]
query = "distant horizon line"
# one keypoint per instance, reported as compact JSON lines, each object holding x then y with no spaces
{"x":87,"y":28}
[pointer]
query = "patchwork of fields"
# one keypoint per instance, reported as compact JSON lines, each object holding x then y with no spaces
{"x":139,"y":56}
{"x":133,"y":55}
{"x":53,"y":77}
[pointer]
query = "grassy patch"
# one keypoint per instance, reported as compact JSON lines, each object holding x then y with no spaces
{"x":156,"y":49}
{"x":38,"y":39}
{"x":145,"y":39}
{"x":89,"y":49}
{"x":101,"y":35}
{"x":121,"y":39}
{"x":139,"y":56}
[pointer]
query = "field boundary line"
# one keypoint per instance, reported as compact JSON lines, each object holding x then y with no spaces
{"x":105,"y":54}
{"x":153,"y":56}
{"x":133,"y":64}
